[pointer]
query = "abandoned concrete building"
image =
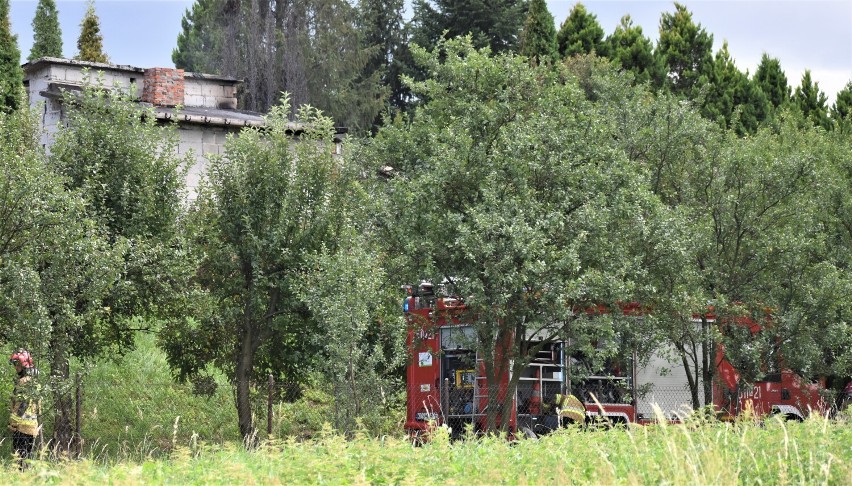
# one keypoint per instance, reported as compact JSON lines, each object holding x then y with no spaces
{"x":208,"y":103}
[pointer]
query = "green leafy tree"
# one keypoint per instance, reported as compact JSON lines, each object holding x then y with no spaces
{"x":812,"y":101}
{"x":62,"y":261}
{"x":492,"y":169}
{"x":494,"y":24}
{"x":818,"y":335}
{"x":338,"y":83}
{"x":632,"y":51}
{"x":580,"y":33}
{"x":360,"y":333}
{"x":268,"y":207}
{"x":538,"y":39}
{"x":90,"y":44}
{"x":841,"y":111}
{"x":33,"y":207}
{"x":685,"y":50}
{"x":11,"y":74}
{"x":727,"y":86}
{"x":132,"y":177}
{"x":677,"y":147}
{"x":126,"y":170}
{"x":770,"y":78}
{"x":47,"y":36}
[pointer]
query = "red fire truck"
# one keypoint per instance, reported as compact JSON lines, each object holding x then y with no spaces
{"x":446,"y":382}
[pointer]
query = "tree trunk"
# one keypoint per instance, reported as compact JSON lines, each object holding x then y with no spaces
{"x":245,"y":363}
{"x":691,"y":378}
{"x":707,"y":366}
{"x":293,"y":62}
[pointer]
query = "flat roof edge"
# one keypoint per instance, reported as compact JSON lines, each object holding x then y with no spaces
{"x":44,"y":61}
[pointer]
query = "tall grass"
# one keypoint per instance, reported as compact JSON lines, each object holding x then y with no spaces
{"x":132,"y":408}
{"x":774,"y":452}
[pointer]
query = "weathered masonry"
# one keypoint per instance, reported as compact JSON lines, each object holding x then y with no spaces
{"x":207,"y":103}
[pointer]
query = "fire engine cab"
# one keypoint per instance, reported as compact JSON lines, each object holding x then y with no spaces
{"x":446,"y":382}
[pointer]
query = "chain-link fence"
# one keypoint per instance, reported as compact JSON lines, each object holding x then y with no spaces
{"x":534,"y":404}
{"x":105,"y":418}
{"x":674,"y":402}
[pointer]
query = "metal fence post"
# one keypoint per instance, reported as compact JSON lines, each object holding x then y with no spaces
{"x":445,"y":400}
{"x":78,"y":438}
{"x":269,"y":407}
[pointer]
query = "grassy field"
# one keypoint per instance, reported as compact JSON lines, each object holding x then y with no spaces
{"x":813,"y":452}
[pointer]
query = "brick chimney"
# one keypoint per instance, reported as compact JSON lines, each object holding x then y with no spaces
{"x":163,"y":87}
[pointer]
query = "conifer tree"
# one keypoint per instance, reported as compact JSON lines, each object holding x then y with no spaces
{"x":200,"y":38}
{"x":632,"y":50}
{"x":812,"y":101}
{"x":772,"y":81}
{"x":685,"y":50}
{"x":47,"y":36}
{"x":11,"y":74}
{"x":538,"y":39}
{"x":382,"y":28}
{"x":727,"y":83}
{"x":90,"y":43}
{"x":496,"y":24}
{"x":841,"y":111}
{"x":730,"y":91}
{"x":580,"y":33}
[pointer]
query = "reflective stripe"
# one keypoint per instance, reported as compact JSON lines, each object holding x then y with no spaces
{"x":569,"y":406}
{"x":26,"y":425}
{"x":23,"y":416}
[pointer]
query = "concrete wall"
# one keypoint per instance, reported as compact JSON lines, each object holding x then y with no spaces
{"x":202,"y":142}
{"x":209,"y":93}
{"x":199,"y":91}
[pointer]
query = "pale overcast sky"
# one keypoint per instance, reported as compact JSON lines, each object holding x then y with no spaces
{"x":803,"y":34}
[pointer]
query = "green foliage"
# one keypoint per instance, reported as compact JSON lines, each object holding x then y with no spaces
{"x":200,"y":37}
{"x":312,"y":50}
{"x":684,"y":49}
{"x":382,"y":28}
{"x":538,"y":39}
{"x":47,"y":36}
{"x":772,"y":81}
{"x":133,"y":408}
{"x":632,"y":51}
{"x":732,"y":99}
{"x":493,"y":24}
{"x":122,"y":259}
{"x":841,"y":111}
{"x":90,"y":43}
{"x":812,"y":101}
{"x":338,"y":83}
{"x":57,"y":268}
{"x":361,"y":335}
{"x":494,"y":168}
{"x":266,"y":208}
{"x":11,"y":74}
{"x":126,"y":164}
{"x":33,"y":207}
{"x":580,"y":33}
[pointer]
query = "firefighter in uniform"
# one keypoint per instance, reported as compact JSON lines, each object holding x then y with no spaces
{"x":570,"y":410}
{"x":23,"y":417}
